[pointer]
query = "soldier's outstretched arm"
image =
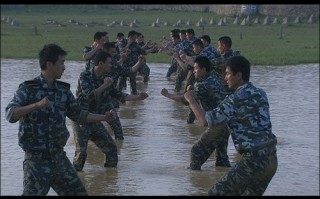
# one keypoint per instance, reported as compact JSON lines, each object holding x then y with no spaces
{"x":17,"y":112}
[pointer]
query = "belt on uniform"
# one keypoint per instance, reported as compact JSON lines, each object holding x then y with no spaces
{"x":268,"y":150}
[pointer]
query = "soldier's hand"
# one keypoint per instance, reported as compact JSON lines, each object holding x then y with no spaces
{"x":108,"y":81}
{"x":143,"y":95}
{"x":164,"y":92}
{"x":110,"y":115}
{"x":189,"y":88}
{"x":175,"y":55}
{"x":190,"y":95}
{"x":141,"y":58}
{"x":44,"y":103}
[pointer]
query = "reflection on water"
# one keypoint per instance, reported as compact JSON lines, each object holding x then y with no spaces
{"x":154,"y":155}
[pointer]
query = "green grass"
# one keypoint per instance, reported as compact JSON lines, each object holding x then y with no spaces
{"x":261,"y":44}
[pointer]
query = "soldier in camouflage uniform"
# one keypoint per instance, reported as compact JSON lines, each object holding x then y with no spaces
{"x":210,"y":92}
{"x":89,"y":52}
{"x":117,"y":68}
{"x":246,"y":112}
{"x":144,"y":69}
{"x":134,"y":51}
{"x":93,"y":94}
{"x":188,"y":61}
{"x":41,"y":106}
{"x":224,"y":53}
{"x":185,"y":47}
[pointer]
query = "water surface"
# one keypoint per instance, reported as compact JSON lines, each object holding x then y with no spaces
{"x":155,"y":153}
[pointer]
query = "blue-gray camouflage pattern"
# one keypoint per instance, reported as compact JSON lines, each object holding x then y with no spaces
{"x":43,"y":135}
{"x":246,"y":112}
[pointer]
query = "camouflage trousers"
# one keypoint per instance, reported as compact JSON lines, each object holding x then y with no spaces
{"x":144,"y":70}
{"x":180,"y":77}
{"x":172,"y":69}
{"x":117,"y":128}
{"x":116,"y":123}
{"x":214,"y":139}
{"x":98,"y":134}
{"x":250,"y":176}
{"x":41,"y":171}
{"x":122,"y":82}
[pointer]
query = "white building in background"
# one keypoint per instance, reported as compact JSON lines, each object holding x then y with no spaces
{"x":248,"y":10}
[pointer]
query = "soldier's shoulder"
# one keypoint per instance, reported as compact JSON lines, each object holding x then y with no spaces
{"x":63,"y":84}
{"x":31,"y":83}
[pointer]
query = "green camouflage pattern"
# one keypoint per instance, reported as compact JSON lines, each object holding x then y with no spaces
{"x":210,"y":92}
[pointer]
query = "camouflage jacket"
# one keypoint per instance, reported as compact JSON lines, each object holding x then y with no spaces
{"x":246,"y":112}
{"x":88,"y":82}
{"x":220,"y":60}
{"x":45,"y":129}
{"x":90,"y":62}
{"x":210,"y":92}
{"x":135,"y":51}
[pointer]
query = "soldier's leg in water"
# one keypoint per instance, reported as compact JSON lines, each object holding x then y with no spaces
{"x":102,"y":138}
{"x":222,"y":158}
{"x":201,"y":150}
{"x":81,"y":137}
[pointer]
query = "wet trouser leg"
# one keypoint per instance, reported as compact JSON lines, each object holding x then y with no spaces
{"x":44,"y":170}
{"x":117,"y":128}
{"x":250,"y":176}
{"x":104,"y":141}
{"x":133,"y":83}
{"x":81,"y":138}
{"x":181,"y":76}
{"x":145,"y":72}
{"x":173,"y":68}
{"x":209,"y":142}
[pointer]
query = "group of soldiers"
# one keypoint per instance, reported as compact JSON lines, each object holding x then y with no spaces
{"x":217,"y":90}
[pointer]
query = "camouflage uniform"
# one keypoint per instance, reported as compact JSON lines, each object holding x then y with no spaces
{"x":219,"y":66}
{"x":43,"y":135}
{"x":190,"y":77}
{"x":207,"y":52}
{"x":246,"y":112}
{"x":211,"y":50}
{"x":87,"y":84}
{"x":173,"y":67}
{"x":174,"y":64}
{"x":144,"y":69}
{"x":182,"y":73}
{"x":210,"y":92}
{"x":135,"y":51}
{"x":89,"y":63}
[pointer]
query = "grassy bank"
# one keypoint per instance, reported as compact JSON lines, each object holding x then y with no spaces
{"x":261,"y":44}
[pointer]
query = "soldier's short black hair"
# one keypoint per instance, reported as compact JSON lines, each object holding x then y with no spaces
{"x":239,"y":63}
{"x":132,"y":33}
{"x":203,"y":62}
{"x":50,"y":53}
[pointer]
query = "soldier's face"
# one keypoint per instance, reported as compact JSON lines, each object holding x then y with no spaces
{"x":198,"y":72}
{"x":233,"y":80}
{"x":221,"y":47}
{"x":196,"y":49}
{"x":58,"y":68}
